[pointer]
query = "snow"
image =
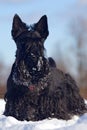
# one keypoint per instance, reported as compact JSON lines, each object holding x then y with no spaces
{"x":10,"y":123}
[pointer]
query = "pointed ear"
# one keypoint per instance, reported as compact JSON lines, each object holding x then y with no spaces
{"x":18,"y":26}
{"x":42,"y":27}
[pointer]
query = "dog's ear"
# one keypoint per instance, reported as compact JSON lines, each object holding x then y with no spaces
{"x":42,"y":27}
{"x":18,"y":26}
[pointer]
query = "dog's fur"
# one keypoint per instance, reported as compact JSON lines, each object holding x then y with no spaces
{"x":36,"y":89}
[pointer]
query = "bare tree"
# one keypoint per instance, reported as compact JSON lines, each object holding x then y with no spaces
{"x":59,"y":57}
{"x":78,"y":30}
{"x":4,"y":72}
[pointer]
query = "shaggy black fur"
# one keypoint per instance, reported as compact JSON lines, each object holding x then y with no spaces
{"x":36,"y":89}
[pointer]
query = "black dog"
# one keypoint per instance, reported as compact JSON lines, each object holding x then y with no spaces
{"x":36,"y":89}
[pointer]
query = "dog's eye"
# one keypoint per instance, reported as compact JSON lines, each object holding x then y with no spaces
{"x":33,"y":55}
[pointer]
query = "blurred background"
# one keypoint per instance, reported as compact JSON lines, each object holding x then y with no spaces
{"x":67,"y":41}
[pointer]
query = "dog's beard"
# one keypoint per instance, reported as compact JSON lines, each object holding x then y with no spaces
{"x":21,"y":75}
{"x":28,"y":71}
{"x":40,"y":63}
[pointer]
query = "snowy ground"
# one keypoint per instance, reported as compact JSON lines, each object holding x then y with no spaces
{"x":10,"y":123}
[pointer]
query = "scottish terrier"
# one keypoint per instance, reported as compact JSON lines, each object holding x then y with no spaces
{"x":36,"y":89}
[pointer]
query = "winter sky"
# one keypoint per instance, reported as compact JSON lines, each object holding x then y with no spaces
{"x":59,"y":12}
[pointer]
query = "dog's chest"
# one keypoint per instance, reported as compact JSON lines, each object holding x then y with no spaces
{"x":22,"y":77}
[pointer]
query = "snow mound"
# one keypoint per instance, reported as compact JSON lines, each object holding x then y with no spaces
{"x":10,"y":123}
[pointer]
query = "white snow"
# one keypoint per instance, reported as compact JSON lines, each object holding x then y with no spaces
{"x":10,"y":123}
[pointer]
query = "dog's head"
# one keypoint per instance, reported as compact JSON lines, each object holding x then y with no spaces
{"x":30,"y":44}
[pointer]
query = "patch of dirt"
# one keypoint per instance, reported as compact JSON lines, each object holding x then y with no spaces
{"x":83,"y":92}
